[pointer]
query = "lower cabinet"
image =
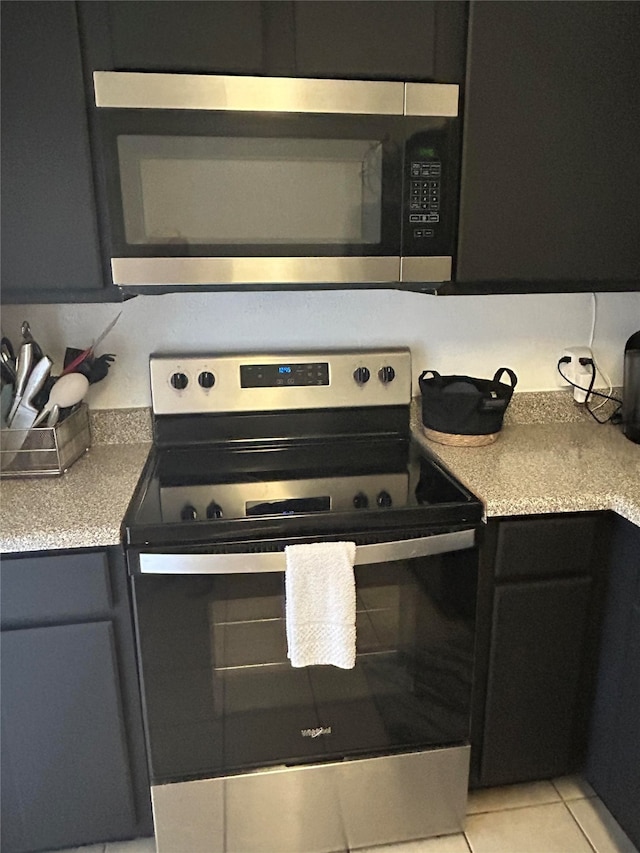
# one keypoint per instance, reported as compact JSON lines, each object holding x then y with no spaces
{"x":538,"y":616}
{"x":613,"y":763}
{"x":73,"y":761}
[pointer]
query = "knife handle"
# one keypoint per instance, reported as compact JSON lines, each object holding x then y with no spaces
{"x":23,"y":366}
{"x":36,"y":380}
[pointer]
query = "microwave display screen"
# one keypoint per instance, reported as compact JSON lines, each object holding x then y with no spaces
{"x":208,"y":190}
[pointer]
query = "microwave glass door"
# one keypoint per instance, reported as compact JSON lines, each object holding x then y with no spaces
{"x":250,"y":190}
{"x":221,"y":696}
{"x":194,"y":184}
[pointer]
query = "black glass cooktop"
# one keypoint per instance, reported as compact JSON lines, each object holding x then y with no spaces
{"x":209,"y":493}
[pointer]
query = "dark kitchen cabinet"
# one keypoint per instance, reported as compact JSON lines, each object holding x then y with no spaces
{"x":50,"y":243}
{"x":540,"y":591}
{"x":395,"y":40}
{"x":165,"y":35}
{"x":613,"y":763}
{"x":550,"y":172}
{"x":73,"y":760}
{"x":364,"y":39}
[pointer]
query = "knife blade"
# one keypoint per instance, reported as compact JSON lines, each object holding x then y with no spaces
{"x":23,"y":367}
{"x":26,"y":413}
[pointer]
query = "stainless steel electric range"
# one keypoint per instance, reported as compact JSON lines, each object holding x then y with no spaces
{"x":246,"y":753}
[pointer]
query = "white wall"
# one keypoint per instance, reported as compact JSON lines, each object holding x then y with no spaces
{"x":457,"y":334}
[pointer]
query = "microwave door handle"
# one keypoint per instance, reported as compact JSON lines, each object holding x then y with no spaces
{"x":274,"y":561}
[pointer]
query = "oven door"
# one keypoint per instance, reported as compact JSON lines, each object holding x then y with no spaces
{"x":326,"y":182}
{"x":221,"y":697}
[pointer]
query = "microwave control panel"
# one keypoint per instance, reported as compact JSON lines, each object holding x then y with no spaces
{"x":424,"y":196}
{"x":425,"y":226}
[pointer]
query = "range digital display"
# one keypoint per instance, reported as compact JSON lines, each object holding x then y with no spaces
{"x":284,"y":375}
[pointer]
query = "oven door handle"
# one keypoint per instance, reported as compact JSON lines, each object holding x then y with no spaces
{"x":274,"y":561}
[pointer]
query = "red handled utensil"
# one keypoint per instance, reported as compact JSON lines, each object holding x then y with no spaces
{"x":89,"y":352}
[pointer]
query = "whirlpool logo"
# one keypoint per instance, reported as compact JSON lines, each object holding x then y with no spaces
{"x":317,"y":732}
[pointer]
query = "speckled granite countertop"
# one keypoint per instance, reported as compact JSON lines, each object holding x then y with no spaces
{"x":564,"y":462}
{"x":81,"y":509}
{"x":549,"y":467}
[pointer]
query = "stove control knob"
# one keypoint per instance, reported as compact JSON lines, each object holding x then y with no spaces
{"x":361,"y":375}
{"x":179,"y":381}
{"x":188,"y":513}
{"x":206,"y":379}
{"x":384,"y":499}
{"x":386,"y":374}
{"x":361,"y":501}
{"x":214,"y":510}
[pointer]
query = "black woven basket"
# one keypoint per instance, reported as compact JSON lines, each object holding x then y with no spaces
{"x":462,"y":405}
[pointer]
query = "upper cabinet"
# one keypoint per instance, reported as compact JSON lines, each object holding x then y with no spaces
{"x":550,"y":171}
{"x":380,"y":40}
{"x":375,"y":39}
{"x":164,"y":35}
{"x":50,"y":242}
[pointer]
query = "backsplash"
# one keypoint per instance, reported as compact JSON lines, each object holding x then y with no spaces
{"x":473,"y":335}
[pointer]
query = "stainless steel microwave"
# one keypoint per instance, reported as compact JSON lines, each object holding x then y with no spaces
{"x":250,"y":182}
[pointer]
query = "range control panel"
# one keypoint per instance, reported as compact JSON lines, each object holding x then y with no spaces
{"x":200,"y":384}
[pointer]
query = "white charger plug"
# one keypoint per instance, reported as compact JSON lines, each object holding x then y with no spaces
{"x":580,"y":374}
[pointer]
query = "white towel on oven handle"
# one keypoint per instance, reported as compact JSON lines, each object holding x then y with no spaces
{"x":320,"y":604}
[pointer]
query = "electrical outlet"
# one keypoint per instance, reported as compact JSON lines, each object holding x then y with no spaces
{"x":576,"y":372}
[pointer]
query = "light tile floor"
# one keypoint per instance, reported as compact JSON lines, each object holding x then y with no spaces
{"x":563,"y":816}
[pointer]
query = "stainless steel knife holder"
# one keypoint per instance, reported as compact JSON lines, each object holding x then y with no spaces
{"x":47,"y":451}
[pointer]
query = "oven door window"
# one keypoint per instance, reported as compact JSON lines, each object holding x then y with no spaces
{"x":253,"y":185}
{"x":221,"y":696}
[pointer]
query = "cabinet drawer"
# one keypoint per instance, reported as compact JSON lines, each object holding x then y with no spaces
{"x":541,"y":547}
{"x":65,"y":763}
{"x":54,"y":588}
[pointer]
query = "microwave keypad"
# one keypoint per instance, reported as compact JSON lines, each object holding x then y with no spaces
{"x":424,"y":195}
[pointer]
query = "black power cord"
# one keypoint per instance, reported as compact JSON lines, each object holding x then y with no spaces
{"x":614,"y":416}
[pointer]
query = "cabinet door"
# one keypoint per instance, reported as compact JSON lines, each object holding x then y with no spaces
{"x":65,"y":769}
{"x":550,"y":172}
{"x":165,"y":35}
{"x":50,"y":241}
{"x":380,"y":39}
{"x":623,"y":799}
{"x":533,"y":689}
{"x":613,"y":763}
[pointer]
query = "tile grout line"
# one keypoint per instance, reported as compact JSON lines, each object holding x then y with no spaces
{"x":579,"y":825}
{"x":516,"y":807}
{"x":467,"y":841}
{"x":557,"y":790}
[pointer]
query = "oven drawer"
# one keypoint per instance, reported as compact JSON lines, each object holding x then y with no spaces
{"x":357,"y":803}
